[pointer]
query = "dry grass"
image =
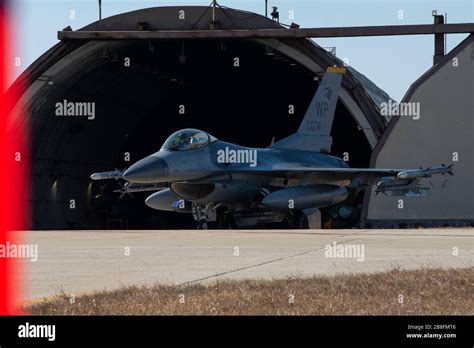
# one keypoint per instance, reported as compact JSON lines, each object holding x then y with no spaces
{"x":428,"y":291}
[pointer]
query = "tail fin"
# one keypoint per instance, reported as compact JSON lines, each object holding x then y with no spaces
{"x":314,"y":133}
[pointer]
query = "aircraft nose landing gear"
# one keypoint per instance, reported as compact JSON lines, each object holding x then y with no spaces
{"x":202,"y":225}
{"x":212,"y":217}
{"x":204,"y":216}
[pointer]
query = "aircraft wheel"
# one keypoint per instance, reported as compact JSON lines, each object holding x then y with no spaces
{"x":225,"y":222}
{"x":301,"y":222}
{"x":202,"y":225}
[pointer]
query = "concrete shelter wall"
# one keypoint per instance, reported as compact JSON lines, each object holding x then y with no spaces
{"x":445,"y":127}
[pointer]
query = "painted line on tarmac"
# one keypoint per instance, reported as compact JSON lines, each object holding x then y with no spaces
{"x":259,"y":264}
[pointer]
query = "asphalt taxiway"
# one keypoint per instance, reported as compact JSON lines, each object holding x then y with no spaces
{"x":83,"y":261}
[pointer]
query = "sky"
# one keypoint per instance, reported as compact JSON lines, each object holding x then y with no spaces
{"x":393,"y":62}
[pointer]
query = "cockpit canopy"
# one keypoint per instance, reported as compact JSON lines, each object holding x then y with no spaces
{"x":187,"y":139}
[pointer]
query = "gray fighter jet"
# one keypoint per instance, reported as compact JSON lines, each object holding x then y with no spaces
{"x":232,"y":185}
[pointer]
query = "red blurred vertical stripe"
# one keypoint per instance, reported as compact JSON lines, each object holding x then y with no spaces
{"x":14,"y":171}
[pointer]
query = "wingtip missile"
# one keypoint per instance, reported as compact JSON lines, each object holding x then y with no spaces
{"x":116,"y":174}
{"x":450,"y":171}
{"x":96,"y":176}
{"x":427,"y":172}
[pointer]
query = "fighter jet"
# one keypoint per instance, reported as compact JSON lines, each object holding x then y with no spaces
{"x":236,"y":186}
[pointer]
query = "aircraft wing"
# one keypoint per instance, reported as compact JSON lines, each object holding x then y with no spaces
{"x":347,"y":172}
{"x":389,"y":177}
{"x":128,"y":187}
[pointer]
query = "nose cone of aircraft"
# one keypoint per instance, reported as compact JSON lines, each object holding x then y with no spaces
{"x":148,"y":170}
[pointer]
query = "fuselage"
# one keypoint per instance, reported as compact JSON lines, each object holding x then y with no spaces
{"x":221,"y":158}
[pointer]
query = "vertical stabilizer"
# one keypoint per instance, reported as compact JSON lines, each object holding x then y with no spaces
{"x":314,"y":133}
